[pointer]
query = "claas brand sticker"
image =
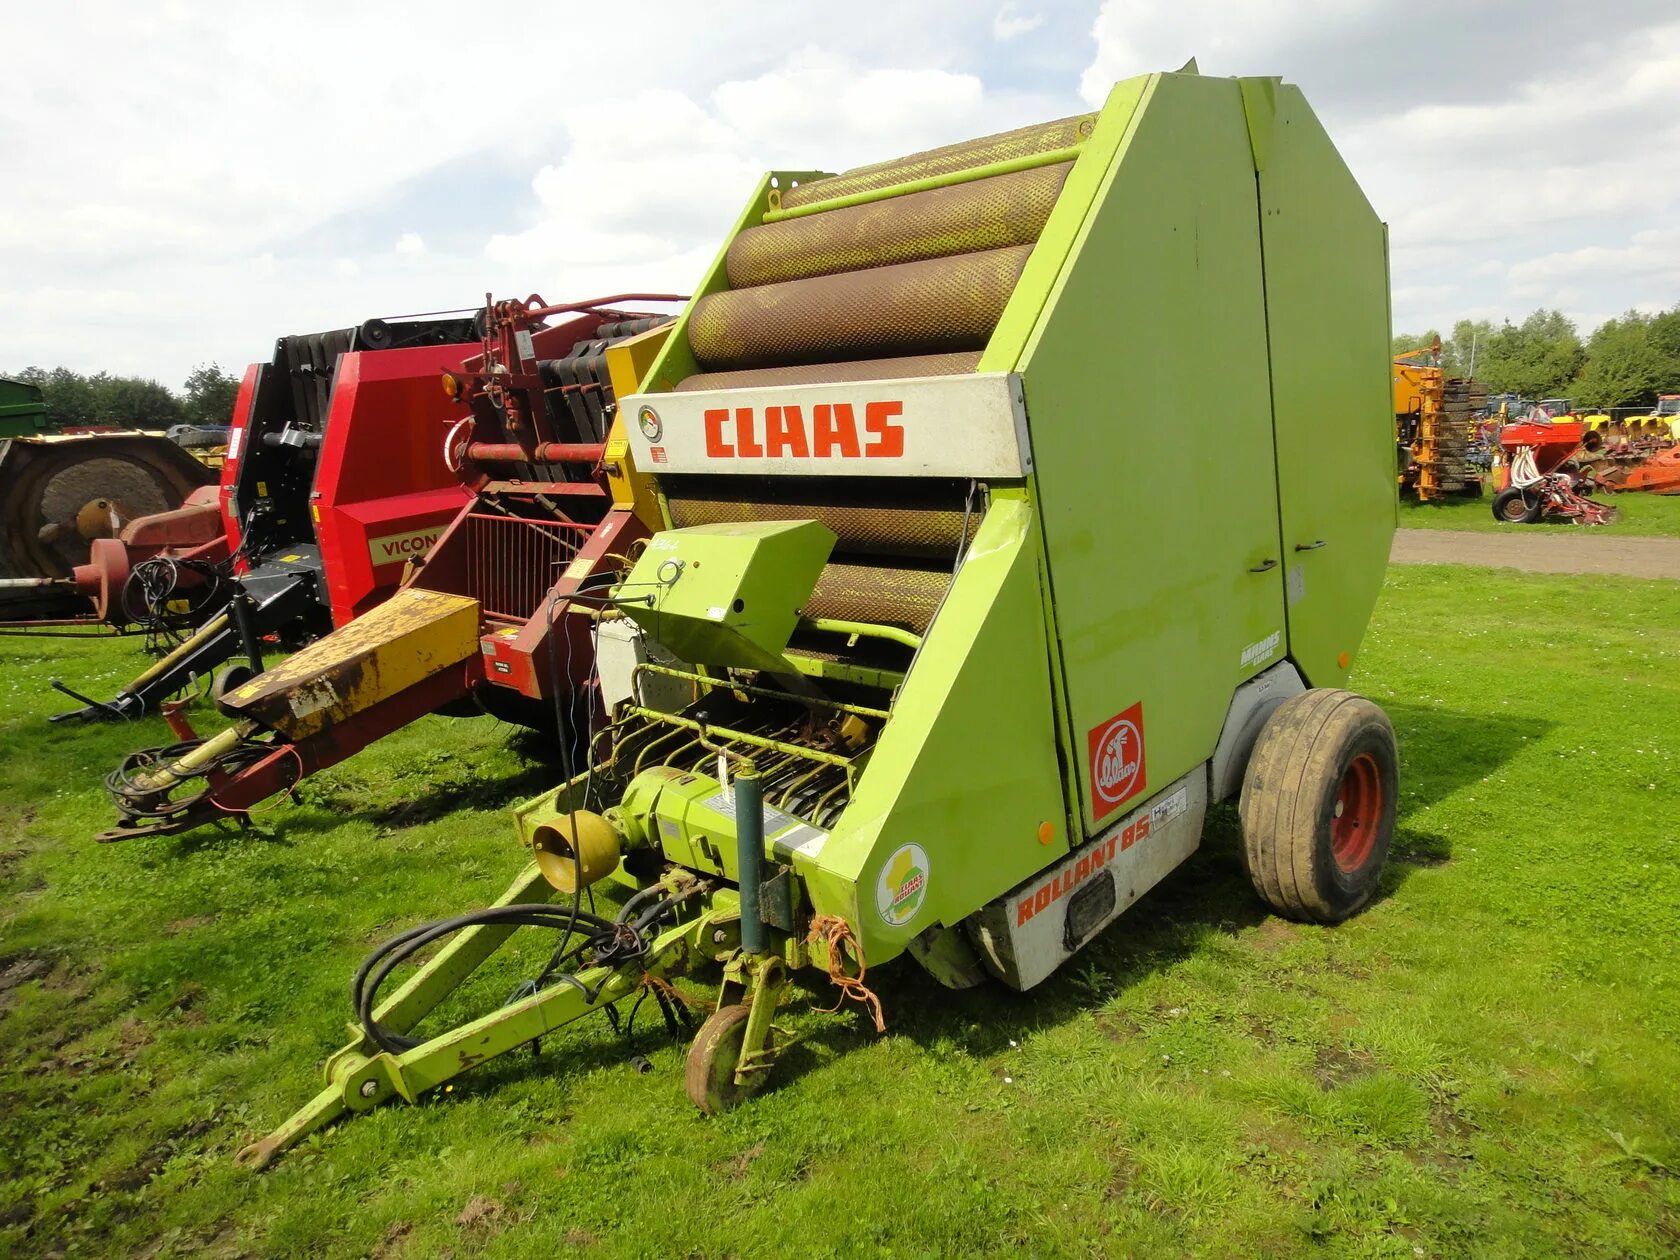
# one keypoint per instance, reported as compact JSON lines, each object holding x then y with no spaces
{"x":783,"y":432}
{"x":902,"y":886}
{"x":1117,"y":766}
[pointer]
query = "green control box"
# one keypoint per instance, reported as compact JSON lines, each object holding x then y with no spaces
{"x":727,"y":594}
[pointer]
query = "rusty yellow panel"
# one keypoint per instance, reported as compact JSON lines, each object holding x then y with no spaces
{"x":411,"y":637}
{"x":627,"y":363}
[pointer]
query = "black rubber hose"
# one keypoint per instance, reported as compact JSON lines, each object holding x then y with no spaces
{"x":387,"y":957}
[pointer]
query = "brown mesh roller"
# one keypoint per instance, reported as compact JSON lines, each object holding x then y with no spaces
{"x":1064,"y":133}
{"x":887,"y":596}
{"x":932,"y":307}
{"x":989,"y":213}
{"x":923,"y":533}
{"x":820,"y":373}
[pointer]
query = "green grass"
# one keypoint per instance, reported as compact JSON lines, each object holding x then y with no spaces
{"x":1649,"y":514}
{"x":1486,"y":1062}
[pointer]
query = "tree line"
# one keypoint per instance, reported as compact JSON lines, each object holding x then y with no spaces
{"x":1626,"y":362}
{"x":73,"y":399}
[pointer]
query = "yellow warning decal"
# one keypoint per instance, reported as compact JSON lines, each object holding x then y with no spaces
{"x":579,"y":568}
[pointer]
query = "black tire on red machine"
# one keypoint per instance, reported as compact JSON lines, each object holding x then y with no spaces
{"x":1318,"y":805}
{"x":1515,"y":506}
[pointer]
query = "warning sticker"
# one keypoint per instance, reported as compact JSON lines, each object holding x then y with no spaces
{"x":1116,"y":761}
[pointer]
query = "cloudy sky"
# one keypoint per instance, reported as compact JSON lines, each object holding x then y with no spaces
{"x":184,"y":181}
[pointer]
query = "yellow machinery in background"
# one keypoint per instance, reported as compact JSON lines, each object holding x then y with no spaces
{"x":1432,"y":426}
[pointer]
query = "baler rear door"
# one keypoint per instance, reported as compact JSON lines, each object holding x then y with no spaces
{"x":1327,"y":315}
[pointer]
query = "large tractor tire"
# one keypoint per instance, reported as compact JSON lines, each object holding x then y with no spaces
{"x":1514,"y":507}
{"x":60,"y":494}
{"x":1317,"y":806}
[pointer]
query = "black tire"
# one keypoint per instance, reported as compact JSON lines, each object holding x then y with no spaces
{"x":709,"y":1074}
{"x":229,"y":678}
{"x":1318,"y":803}
{"x":193,"y":438}
{"x":1513,"y":507}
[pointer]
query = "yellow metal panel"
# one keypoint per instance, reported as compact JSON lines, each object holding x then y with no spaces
{"x":627,"y":364}
{"x":406,"y":640}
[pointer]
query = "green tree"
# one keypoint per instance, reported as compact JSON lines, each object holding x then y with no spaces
{"x":129,"y":402}
{"x":209,"y":394}
{"x":68,"y":396}
{"x":1537,"y":358}
{"x":1624,"y":368}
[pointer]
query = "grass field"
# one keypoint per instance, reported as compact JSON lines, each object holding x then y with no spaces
{"x":1652,"y":514}
{"x":1486,"y":1062}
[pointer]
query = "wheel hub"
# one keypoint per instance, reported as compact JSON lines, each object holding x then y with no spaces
{"x":1359,"y":806}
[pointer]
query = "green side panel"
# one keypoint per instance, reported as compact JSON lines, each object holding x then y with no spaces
{"x":1062,"y":229}
{"x":675,"y":363}
{"x":1327,"y":306}
{"x":1149,"y":411}
{"x":965,"y":772}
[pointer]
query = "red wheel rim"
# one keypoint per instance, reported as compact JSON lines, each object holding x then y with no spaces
{"x":1359,"y":806}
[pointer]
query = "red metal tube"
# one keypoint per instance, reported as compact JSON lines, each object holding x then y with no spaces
{"x":543,"y":453}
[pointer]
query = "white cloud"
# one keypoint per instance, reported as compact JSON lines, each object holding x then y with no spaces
{"x":190,"y":198}
{"x":1010,"y":23}
{"x":1510,"y":177}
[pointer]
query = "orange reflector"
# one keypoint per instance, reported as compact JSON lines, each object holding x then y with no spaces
{"x":1046,"y":832}
{"x":451,"y":385}
{"x":1343,"y":659}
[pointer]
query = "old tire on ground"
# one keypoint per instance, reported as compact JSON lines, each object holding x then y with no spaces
{"x":1317,"y":806}
{"x":1513,"y":507}
{"x":709,"y":1076}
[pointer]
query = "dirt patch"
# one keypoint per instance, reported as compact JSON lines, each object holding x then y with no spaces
{"x":1116,"y":1027}
{"x":737,"y":1168}
{"x":1337,"y":1065}
{"x":22,"y":970}
{"x":1541,"y":549}
{"x":188,"y":924}
{"x":390,"y":1244}
{"x":481,"y":1212}
{"x":1272,"y":936}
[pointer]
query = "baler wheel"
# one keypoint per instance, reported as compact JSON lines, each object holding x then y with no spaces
{"x":1318,"y":803}
{"x":710,"y":1074}
{"x":1514,"y":507}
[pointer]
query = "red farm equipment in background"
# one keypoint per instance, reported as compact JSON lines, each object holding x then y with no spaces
{"x":1542,"y":478}
{"x":501,"y":613}
{"x":334,"y":478}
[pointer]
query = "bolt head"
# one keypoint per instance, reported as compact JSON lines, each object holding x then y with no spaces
{"x":369,"y":1088}
{"x":719,"y":936}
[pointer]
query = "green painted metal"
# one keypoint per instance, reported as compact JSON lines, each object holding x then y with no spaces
{"x":864,"y":629}
{"x":727,"y":594}
{"x":1158,"y":565}
{"x":1008,"y":166}
{"x":23,"y":413}
{"x":966,"y":770}
{"x":1085,"y":184}
{"x":1327,"y":309}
